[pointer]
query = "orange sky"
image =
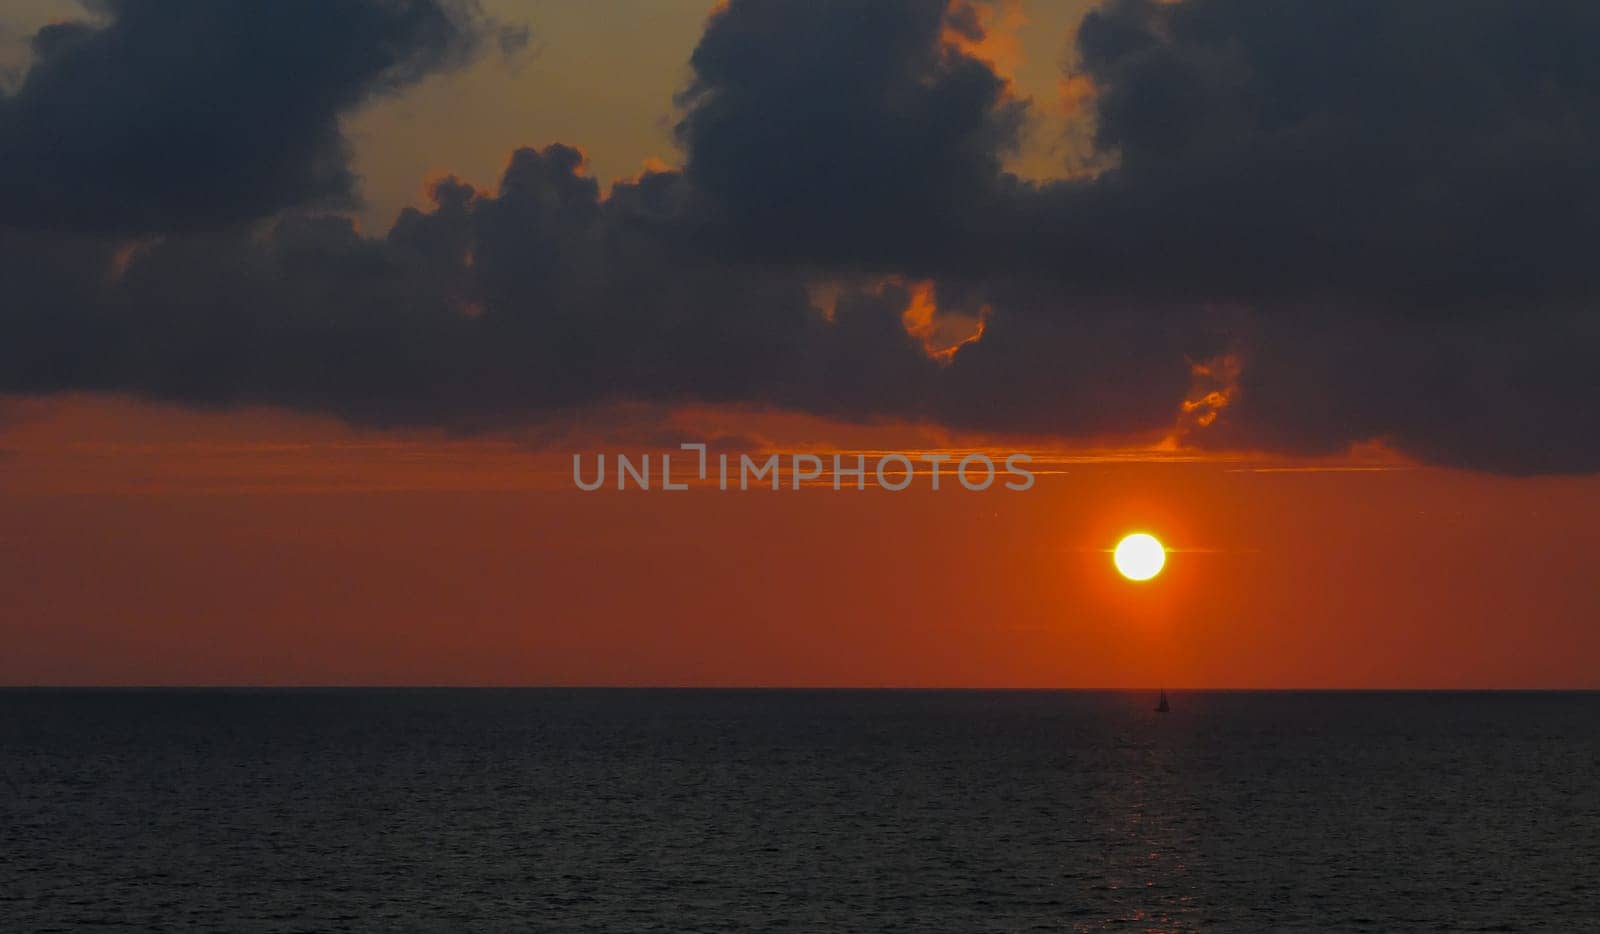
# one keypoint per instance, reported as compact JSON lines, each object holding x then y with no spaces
{"x":146,"y":545}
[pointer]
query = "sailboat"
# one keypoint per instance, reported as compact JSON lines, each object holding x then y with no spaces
{"x":1161,"y":705}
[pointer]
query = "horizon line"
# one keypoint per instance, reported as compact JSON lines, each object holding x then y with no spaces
{"x":796,"y":688}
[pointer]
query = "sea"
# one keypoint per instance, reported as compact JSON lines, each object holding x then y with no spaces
{"x":797,"y":810}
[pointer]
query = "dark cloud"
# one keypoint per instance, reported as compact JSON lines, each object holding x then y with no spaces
{"x":1337,"y":222}
{"x":844,"y":133}
{"x":1384,"y":210}
{"x":537,"y":300}
{"x":1491,"y":392}
{"x":1403,"y":193}
{"x":1418,"y":154}
{"x":170,"y":115}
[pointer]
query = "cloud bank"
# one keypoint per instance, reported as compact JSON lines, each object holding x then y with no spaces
{"x":1315,"y":225}
{"x":189,"y":114}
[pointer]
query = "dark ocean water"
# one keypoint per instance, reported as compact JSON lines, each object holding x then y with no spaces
{"x":798,"y":811}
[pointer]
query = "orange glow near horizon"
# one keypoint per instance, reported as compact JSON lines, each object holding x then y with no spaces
{"x":145,"y":544}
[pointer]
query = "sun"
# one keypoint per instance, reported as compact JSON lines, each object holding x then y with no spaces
{"x":1140,"y":557}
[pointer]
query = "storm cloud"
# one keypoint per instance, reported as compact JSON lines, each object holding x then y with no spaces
{"x":845,"y":133}
{"x":1423,"y":153}
{"x":1311,"y":225}
{"x":171,"y":115}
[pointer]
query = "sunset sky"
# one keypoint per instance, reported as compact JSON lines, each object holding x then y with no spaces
{"x":306,"y":307}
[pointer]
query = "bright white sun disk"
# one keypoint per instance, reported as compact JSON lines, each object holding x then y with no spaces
{"x":1140,"y":557}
